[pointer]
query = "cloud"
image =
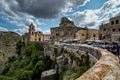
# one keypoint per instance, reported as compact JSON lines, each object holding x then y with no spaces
{"x":22,"y":29}
{"x":23,"y":12}
{"x":85,"y":18}
{"x":94,"y":18}
{"x":46,"y":31}
{"x":39,"y":8}
{"x":3,"y":28}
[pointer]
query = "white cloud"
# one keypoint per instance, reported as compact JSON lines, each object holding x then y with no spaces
{"x":3,"y":29}
{"x":46,"y":31}
{"x":93,"y":18}
{"x":23,"y":12}
{"x":23,"y":26}
{"x":85,"y":18}
{"x":23,"y":29}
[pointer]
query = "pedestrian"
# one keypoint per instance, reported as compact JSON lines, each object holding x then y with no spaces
{"x":115,"y":49}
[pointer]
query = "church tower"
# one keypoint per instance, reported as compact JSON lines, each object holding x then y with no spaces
{"x":32,"y":32}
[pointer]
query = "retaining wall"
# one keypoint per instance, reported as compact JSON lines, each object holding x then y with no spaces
{"x":106,"y":68}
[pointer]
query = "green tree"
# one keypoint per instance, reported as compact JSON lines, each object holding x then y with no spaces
{"x":19,"y":46}
{"x":26,"y":75}
{"x":39,"y":67}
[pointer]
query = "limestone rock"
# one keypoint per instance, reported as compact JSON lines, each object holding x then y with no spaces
{"x":8,"y":42}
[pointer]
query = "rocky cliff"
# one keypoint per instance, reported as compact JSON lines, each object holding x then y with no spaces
{"x":8,"y":42}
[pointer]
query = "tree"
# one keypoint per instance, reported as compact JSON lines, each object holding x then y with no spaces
{"x":19,"y":46}
{"x":39,"y":67}
{"x":26,"y":75}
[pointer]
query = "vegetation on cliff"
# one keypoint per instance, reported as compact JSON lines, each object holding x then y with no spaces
{"x":82,"y":65}
{"x":29,"y":61}
{"x":27,"y":64}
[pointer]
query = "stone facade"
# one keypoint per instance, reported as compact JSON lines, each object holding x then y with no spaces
{"x":87,"y":34}
{"x":33,"y":36}
{"x":46,"y":37}
{"x":67,"y":30}
{"x":111,"y":31}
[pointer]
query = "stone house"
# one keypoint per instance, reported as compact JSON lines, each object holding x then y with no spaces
{"x":68,"y":31}
{"x":87,"y":34}
{"x":110,"y":31}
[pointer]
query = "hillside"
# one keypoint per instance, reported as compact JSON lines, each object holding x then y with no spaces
{"x":7,"y":46}
{"x":28,"y":63}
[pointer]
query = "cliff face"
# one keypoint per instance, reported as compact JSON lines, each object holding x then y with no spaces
{"x":8,"y":42}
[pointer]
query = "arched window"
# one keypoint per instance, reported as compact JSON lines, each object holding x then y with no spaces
{"x":39,"y":39}
{"x":112,"y":22}
{"x":82,"y":34}
{"x":94,"y":35}
{"x":119,"y":29}
{"x":32,"y":33}
{"x":104,"y":29}
{"x":113,"y":30}
{"x":117,"y":21}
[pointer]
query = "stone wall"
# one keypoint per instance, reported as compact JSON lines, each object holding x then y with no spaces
{"x":106,"y":66}
{"x":60,"y":53}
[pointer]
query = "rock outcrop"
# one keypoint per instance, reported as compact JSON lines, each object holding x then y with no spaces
{"x":8,"y":42}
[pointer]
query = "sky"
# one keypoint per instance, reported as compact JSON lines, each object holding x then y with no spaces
{"x":17,"y":15}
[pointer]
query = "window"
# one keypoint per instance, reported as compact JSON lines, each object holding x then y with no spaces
{"x":57,"y":34}
{"x":117,"y":21}
{"x":94,"y":35}
{"x":39,"y":39}
{"x":119,"y":29}
{"x":32,"y":33}
{"x":113,"y":30}
{"x":112,"y":22}
{"x":82,"y":34}
{"x":104,"y":29}
{"x":118,"y":39}
{"x":103,"y":37}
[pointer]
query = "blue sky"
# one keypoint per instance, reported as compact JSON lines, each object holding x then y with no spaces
{"x":16,"y":15}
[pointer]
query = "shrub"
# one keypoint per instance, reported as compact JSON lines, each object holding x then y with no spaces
{"x":6,"y":78}
{"x":26,"y":75}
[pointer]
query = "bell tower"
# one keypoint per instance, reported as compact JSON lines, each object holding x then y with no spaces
{"x":31,"y":32}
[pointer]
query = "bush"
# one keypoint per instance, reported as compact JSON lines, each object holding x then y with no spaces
{"x":6,"y":69}
{"x":11,"y":59}
{"x":39,"y":66}
{"x":19,"y":46}
{"x":26,"y":75}
{"x":6,"y":78}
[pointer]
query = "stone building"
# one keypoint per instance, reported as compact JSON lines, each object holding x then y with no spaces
{"x":87,"y":34}
{"x":68,"y":31}
{"x":110,"y":31}
{"x":33,"y":36}
{"x":47,"y":37}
